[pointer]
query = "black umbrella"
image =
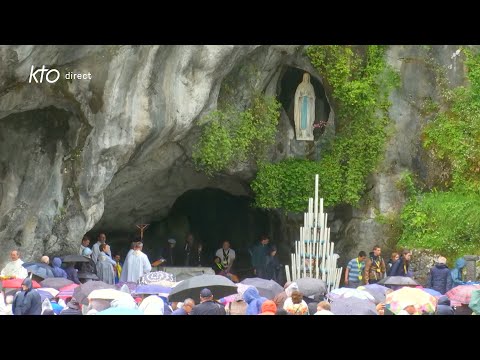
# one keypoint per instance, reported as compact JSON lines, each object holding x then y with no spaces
{"x":55,"y":283}
{"x":81,"y":293}
{"x":75,"y":258}
{"x":311,"y":286}
{"x":398,"y":280}
{"x":266,"y":288}
{"x":220,"y":287}
{"x":40,"y":269}
{"x":87,"y":275}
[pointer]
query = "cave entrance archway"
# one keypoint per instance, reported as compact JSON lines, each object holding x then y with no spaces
{"x":212,"y":216}
{"x":290,"y":79}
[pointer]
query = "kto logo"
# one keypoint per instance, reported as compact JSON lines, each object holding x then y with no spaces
{"x":51,"y":75}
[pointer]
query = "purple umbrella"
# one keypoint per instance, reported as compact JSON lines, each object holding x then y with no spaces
{"x":432,"y":292}
{"x":353,"y":306}
{"x":152,"y":289}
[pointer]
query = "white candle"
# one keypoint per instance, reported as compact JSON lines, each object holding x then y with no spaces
{"x":316,"y":201}
{"x":287,"y":271}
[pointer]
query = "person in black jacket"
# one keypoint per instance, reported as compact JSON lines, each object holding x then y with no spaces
{"x":272,"y":266}
{"x":198,"y":257}
{"x":443,"y":306}
{"x":400,"y":267}
{"x":27,"y":301}
{"x":439,"y":278}
{"x":207,"y":305}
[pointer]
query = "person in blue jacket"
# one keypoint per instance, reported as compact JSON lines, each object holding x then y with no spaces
{"x":457,"y":272}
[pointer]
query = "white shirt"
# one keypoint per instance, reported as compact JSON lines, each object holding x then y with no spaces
{"x":15,"y":268}
{"x":231,"y":256}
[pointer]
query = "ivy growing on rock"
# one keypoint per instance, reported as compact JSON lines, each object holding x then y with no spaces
{"x":360,"y":81}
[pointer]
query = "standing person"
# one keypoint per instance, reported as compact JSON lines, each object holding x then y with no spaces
{"x":188,"y":250}
{"x":123,"y":276}
{"x":400,"y":268}
{"x":45,"y":259}
{"x":14,"y":268}
{"x":207,"y":305}
{"x":118,"y":269}
{"x":72,"y":273}
{"x":273,"y":267}
{"x":56,"y":268}
{"x":457,"y":272}
{"x":137,"y":264}
{"x":295,"y":305}
{"x":374,"y":267}
{"x":393,"y":259}
{"x":227,"y":255}
{"x":439,"y":278}
{"x":27,"y":301}
{"x":199,"y":257}
{"x":105,"y":264}
{"x":218,"y":266}
{"x":354,"y":271}
{"x":259,"y":257}
{"x":168,"y":253}
{"x":85,"y":243}
{"x":101,"y":239}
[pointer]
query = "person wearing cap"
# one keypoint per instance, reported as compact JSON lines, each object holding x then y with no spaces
{"x":207,"y":305}
{"x":439,"y":278}
{"x":27,"y":301}
{"x":73,"y":308}
{"x":268,"y":308}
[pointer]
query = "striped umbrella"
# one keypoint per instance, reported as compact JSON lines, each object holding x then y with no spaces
{"x":461,"y":294}
{"x":67,"y":291}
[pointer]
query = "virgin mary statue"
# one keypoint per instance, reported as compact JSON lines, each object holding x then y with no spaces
{"x":304,"y":111}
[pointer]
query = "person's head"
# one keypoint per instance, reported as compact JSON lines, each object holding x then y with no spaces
{"x":56,"y":262}
{"x":45,"y":259}
{"x":26,"y":284}
{"x":226,"y":245}
{"x":102,"y":247}
{"x":273,"y":250}
{"x":102,"y":237}
{"x":171,"y":242}
{"x":15,"y":255}
{"x":406,"y":254}
{"x":377,"y":250}
{"x":362,"y":255}
{"x":138,"y":246}
{"x":188,"y":305}
{"x":117,"y":258}
{"x":199,"y":247}
{"x":86,"y":240}
{"x":87,"y":252}
{"x":217,"y":259}
{"x":264,"y":240}
{"x":189,"y":238}
{"x":324,"y":305}
{"x":395,"y":256}
{"x":442,"y":260}
{"x":268,"y":308}
{"x":297,"y":297}
{"x":206,"y":295}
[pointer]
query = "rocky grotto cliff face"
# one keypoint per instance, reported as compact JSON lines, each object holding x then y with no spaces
{"x":116,"y":148}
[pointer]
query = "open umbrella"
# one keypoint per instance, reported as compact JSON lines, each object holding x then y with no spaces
{"x":156,"y":277}
{"x":80,"y":293}
{"x":55,"y":282}
{"x":398,"y":280}
{"x":377,"y":291}
{"x":152,"y":289}
{"x":461,"y":294}
{"x":67,"y":291}
{"x":87,"y":275}
{"x":108,"y":294}
{"x":310,"y":286}
{"x":401,"y":298}
{"x":120,"y":311}
{"x":432,"y":292}
{"x":131,"y":285}
{"x":475,"y":302}
{"x":353,"y":306}
{"x":266,"y":288}
{"x":17,"y":284}
{"x":219,"y":285}
{"x":40,"y":269}
{"x":350,"y":293}
{"x":75,"y":258}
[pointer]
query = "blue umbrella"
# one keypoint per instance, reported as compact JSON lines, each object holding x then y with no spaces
{"x":432,"y":292}
{"x":152,"y":289}
{"x":40,"y":269}
{"x":120,"y":311}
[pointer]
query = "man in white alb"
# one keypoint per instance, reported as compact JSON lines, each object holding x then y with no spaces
{"x":226,"y":254}
{"x":14,"y":268}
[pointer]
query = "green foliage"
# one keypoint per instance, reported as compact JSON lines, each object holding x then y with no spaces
{"x":446,"y":222}
{"x":407,"y":184}
{"x":454,"y":135}
{"x":230,"y":136}
{"x":360,"y":81}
